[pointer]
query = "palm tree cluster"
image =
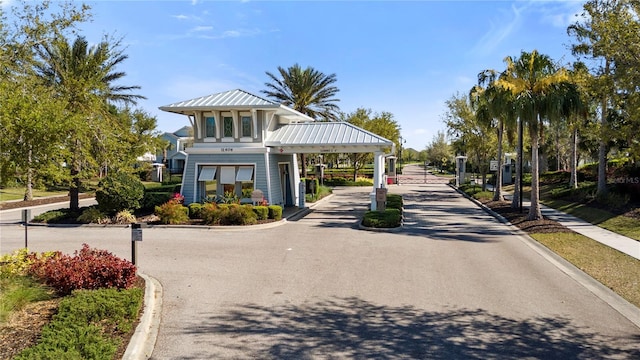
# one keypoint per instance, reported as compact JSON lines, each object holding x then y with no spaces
{"x":535,"y":96}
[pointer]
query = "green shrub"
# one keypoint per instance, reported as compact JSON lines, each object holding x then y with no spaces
{"x":81,"y":328}
{"x":483,"y":195}
{"x":119,"y":191}
{"x":93,"y":215}
{"x":152,"y":199}
{"x":56,"y":216}
{"x":262,"y":212}
{"x":209,"y":213}
{"x":389,"y":218}
{"x":195,"y":210}
{"x":125,"y":217}
{"x":394,"y":201}
{"x":172,"y":212}
{"x":239,"y":215}
{"x":275,"y":212}
{"x":16,"y":263}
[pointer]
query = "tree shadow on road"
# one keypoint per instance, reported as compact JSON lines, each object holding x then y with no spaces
{"x":355,"y":328}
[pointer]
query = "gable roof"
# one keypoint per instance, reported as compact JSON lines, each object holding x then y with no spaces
{"x":233,"y":100}
{"x":340,"y":136}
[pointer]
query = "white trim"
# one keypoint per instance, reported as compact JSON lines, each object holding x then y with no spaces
{"x":268,"y":173}
{"x":226,"y":150}
{"x":254,"y":118}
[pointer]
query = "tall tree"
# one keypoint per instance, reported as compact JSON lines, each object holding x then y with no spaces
{"x":382,"y":124}
{"x":608,"y":35}
{"x":495,"y":105}
{"x":531,"y":78}
{"x":472,"y":130}
{"x":308,"y":91}
{"x":438,"y":151}
{"x":87,"y":78}
{"x":33,"y":119}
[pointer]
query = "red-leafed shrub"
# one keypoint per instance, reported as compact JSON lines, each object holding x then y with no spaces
{"x":86,"y":269}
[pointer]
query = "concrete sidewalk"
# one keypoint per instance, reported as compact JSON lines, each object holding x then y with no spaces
{"x":619,"y":242}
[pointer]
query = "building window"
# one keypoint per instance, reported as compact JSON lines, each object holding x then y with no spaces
{"x":210,"y":126}
{"x":227,"y":123}
{"x":207,"y":182}
{"x":246,"y":126}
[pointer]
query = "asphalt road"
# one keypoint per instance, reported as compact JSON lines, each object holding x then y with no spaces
{"x":454,"y":284}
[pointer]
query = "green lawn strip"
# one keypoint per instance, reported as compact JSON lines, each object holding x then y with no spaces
{"x":90,"y":324}
{"x":18,"y":291}
{"x":619,"y":224}
{"x":617,"y":271}
{"x":7,"y":194}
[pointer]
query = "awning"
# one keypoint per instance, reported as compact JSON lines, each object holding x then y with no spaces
{"x":227,"y":175}
{"x":207,"y":173}
{"x":245,"y":174}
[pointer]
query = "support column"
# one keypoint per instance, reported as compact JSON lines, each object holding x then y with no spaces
{"x":378,"y":170}
{"x":296,"y":179}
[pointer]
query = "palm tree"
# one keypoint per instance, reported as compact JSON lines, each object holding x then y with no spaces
{"x":85,"y":76}
{"x":308,"y":91}
{"x":495,"y":105}
{"x":531,"y":78}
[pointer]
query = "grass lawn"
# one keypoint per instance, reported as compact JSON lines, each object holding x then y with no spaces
{"x":618,"y":271}
{"x":620,"y":224}
{"x":7,"y":194}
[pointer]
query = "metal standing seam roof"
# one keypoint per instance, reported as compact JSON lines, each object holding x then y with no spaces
{"x":233,"y":100}
{"x":324,"y":133}
{"x":227,"y":99}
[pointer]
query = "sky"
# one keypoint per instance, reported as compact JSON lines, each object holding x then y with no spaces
{"x":402,"y":57}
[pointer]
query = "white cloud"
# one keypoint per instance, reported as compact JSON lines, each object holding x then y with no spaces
{"x":6,"y":3}
{"x":180,"y":17}
{"x":201,"y":28}
{"x":560,"y":14}
{"x":500,"y":29}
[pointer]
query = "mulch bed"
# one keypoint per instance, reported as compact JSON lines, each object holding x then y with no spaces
{"x":515,"y":217}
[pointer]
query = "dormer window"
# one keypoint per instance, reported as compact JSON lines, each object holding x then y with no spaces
{"x":227,"y":126}
{"x":210,"y":126}
{"x":246,"y":122}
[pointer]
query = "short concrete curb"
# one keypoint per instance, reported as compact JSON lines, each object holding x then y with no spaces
{"x":144,"y":338}
{"x":625,"y":308}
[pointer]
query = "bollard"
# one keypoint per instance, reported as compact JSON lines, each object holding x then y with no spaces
{"x":136,"y":235}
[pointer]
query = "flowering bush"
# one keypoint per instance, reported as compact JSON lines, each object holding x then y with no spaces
{"x":173,"y":212}
{"x":86,"y":269}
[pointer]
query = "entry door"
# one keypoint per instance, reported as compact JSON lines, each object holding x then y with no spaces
{"x":285,"y":184}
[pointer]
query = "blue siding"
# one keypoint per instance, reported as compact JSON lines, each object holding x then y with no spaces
{"x":189,"y":180}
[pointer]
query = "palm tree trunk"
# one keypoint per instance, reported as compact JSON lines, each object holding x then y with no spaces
{"x":303,"y":161}
{"x":573,"y":180}
{"x":602,"y":149}
{"x":535,"y":213}
{"x":497,"y":195}
{"x":515,"y":203}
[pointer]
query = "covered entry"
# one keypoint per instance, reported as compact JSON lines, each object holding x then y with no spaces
{"x":330,"y":137}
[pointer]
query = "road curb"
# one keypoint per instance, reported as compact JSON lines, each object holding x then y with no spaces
{"x":144,"y":338}
{"x":617,"y":302}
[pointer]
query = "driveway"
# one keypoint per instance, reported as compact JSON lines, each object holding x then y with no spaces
{"x":454,"y":284}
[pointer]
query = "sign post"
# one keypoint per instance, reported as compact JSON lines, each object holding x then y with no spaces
{"x":26,"y":217}
{"x":136,"y":235}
